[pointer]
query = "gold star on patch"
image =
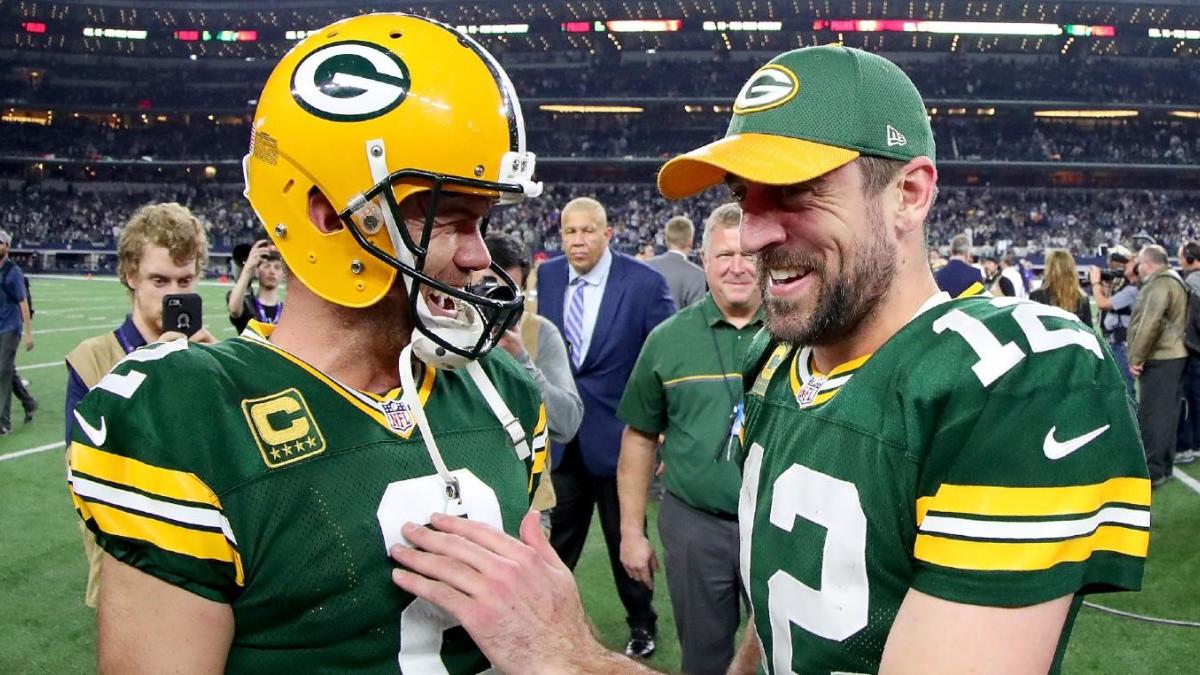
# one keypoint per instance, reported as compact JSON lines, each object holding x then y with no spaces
{"x":275,"y":454}
{"x":312,"y":442}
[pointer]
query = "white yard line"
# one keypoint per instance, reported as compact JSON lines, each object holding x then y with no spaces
{"x":73,"y":329}
{"x":31,"y":451}
{"x":1187,"y":480}
{"x":48,"y":364}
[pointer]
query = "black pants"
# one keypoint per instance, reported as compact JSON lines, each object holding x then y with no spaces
{"x":8,"y":372}
{"x":1189,"y":420}
{"x":578,"y":491}
{"x":1158,"y":413}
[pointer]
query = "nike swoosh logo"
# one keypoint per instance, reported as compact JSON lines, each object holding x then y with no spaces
{"x":97,"y":436}
{"x":1059,"y":449}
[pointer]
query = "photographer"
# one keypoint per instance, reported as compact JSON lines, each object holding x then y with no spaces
{"x":161,"y":251}
{"x":264,"y":263}
{"x":1115,"y":290}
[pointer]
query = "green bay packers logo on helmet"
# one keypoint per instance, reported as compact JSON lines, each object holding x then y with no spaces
{"x":769,"y":87}
{"x":350,"y":81}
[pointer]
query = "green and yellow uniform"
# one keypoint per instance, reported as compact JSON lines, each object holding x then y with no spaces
{"x":242,"y":474}
{"x":687,"y":383}
{"x":986,"y":454}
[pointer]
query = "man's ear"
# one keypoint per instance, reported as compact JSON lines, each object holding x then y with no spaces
{"x":321,"y":212}
{"x":916,"y":186}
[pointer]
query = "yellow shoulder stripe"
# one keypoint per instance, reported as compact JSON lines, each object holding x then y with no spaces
{"x":986,"y":500}
{"x":113,"y":468}
{"x":167,"y":536}
{"x":974,"y":289}
{"x":1021,"y":556}
{"x":541,"y":423}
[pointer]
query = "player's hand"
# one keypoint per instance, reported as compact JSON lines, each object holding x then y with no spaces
{"x":639,"y":560}
{"x":512,"y":343}
{"x":28,"y":340}
{"x":1135,"y":369}
{"x":516,"y":598}
{"x":201,"y":336}
{"x":1094,"y":274}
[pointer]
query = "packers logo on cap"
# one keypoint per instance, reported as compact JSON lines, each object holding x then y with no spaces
{"x":769,"y":87}
{"x":350,"y":81}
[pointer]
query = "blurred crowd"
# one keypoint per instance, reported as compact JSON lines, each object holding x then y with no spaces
{"x":1031,"y":220}
{"x":1007,"y":138}
{"x":951,"y":76}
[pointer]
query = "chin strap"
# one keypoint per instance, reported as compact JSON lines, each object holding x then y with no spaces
{"x":510,"y":423}
{"x":454,"y":505}
{"x":512,"y":426}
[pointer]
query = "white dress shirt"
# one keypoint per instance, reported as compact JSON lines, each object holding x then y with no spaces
{"x":594,"y":283}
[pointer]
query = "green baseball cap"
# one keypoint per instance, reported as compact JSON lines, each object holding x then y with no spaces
{"x":804,"y":114}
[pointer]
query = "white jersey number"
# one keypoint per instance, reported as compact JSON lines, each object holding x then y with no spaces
{"x":996,"y":358}
{"x":838,"y":609}
{"x":422,"y":624}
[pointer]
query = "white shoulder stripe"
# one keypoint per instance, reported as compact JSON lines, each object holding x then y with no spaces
{"x":1048,"y":529}
{"x":199,"y":516}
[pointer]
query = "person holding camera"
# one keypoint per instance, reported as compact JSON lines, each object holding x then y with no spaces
{"x":161,"y":251}
{"x":1116,"y":290}
{"x":264,"y":263}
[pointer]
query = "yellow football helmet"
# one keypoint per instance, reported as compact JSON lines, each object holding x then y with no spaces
{"x":370,"y":111}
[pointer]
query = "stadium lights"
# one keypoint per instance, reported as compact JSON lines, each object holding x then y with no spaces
{"x":33,"y":26}
{"x":644,"y":25}
{"x":1186,"y":114}
{"x":1175,"y":33}
{"x":300,"y":34}
{"x":743,"y":25}
{"x":114,"y":33}
{"x":494,"y":29}
{"x":961,"y":27}
{"x":583,"y":26}
{"x":1086,"y":114}
{"x":564,"y":108}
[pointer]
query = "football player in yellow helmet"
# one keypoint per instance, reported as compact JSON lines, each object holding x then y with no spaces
{"x":396,"y":122}
{"x":246,"y":494}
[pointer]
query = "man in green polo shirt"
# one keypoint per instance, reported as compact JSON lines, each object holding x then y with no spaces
{"x":687,"y":385}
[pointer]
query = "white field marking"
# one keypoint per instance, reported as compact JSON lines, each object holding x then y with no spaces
{"x":72,"y":329}
{"x":67,"y":311}
{"x":48,"y":364}
{"x":110,"y":279}
{"x":1187,"y":480}
{"x":31,"y":451}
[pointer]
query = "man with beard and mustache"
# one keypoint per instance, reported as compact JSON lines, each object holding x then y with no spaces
{"x":246,"y":494}
{"x":930,"y":484}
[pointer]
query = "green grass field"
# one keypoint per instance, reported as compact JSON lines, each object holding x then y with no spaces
{"x":47,"y":629}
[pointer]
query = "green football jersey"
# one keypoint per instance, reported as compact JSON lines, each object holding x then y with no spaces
{"x":242,"y":474}
{"x":986,"y":454}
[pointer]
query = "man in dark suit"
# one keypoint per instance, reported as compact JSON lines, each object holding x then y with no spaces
{"x":605,"y":304}
{"x":684,"y":278}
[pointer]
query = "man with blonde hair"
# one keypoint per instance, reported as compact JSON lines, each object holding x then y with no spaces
{"x":162,"y":250}
{"x":687,"y":384}
{"x":684,"y":278}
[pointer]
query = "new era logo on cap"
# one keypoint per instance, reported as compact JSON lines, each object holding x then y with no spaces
{"x":894,"y":137}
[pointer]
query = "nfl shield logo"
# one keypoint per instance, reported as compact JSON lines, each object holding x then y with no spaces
{"x":808,"y":393}
{"x":399,"y":417}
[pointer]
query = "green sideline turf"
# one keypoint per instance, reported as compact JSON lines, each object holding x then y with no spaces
{"x":46,"y":628}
